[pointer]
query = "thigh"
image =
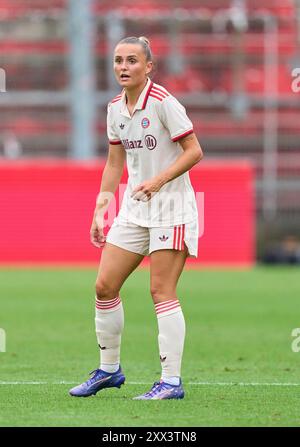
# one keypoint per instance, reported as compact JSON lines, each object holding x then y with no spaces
{"x":165,"y":269}
{"x":130,"y":237}
{"x":116,"y":265}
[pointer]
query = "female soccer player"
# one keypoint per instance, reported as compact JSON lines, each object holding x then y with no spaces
{"x":158,"y":217}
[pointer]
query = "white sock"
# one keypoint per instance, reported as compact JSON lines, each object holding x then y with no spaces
{"x":109,"y":368}
{"x":171,"y":380}
{"x":109,"y":323}
{"x":171,"y":334}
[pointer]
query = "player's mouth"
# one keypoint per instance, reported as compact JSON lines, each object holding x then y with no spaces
{"x":124,"y":76}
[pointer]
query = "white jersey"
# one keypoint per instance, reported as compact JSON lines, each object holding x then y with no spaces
{"x":150,"y":138}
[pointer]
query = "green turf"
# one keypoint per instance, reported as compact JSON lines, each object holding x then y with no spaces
{"x":239,"y":326}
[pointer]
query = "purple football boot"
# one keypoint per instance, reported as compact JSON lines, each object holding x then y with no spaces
{"x":100,"y":380}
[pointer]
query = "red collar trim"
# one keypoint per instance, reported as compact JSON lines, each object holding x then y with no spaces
{"x":147,"y":95}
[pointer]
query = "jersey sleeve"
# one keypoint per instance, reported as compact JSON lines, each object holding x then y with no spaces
{"x":175,"y":119}
{"x":112,"y":134}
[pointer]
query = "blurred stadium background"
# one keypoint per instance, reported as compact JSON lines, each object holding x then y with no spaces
{"x":230,"y":62}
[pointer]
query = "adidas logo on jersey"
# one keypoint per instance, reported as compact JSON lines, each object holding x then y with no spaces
{"x":163,"y":238}
{"x":122,"y":126}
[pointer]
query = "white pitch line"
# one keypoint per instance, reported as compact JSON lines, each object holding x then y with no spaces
{"x":148,"y":383}
{"x":245,"y":383}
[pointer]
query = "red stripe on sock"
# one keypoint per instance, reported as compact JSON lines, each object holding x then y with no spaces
{"x":99,"y":306}
{"x":109,"y":304}
{"x":165,"y":303}
{"x":107,"y":307}
{"x":168,"y":308}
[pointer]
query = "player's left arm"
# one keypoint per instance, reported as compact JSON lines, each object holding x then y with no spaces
{"x":191,"y":155}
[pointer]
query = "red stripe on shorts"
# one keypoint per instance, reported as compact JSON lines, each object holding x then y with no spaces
{"x":174,"y":237}
{"x":182,"y":241}
{"x":179,"y":237}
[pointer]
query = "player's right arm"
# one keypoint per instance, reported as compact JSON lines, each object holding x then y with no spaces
{"x":111,"y":177}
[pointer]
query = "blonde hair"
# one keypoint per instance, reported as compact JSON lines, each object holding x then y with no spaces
{"x":143,"y":41}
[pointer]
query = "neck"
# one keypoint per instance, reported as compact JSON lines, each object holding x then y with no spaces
{"x":132,"y":95}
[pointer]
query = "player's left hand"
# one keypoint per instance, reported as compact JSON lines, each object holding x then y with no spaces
{"x":146,"y":190}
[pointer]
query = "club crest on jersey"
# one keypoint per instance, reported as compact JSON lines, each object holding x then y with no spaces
{"x":150,"y":142}
{"x":145,"y":123}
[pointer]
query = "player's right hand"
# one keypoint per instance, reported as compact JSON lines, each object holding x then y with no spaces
{"x":97,"y":234}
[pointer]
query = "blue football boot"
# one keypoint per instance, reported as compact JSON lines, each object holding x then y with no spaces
{"x":162,"y":390}
{"x":100,"y":380}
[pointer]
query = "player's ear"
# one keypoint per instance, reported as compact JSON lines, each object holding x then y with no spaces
{"x":149,"y":67}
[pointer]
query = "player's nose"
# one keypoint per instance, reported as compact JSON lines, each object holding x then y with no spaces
{"x":123,"y":66}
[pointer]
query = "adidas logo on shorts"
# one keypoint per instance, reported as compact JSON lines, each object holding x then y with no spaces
{"x":163,"y":238}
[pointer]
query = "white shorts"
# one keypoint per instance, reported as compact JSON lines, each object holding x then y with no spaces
{"x":144,"y":240}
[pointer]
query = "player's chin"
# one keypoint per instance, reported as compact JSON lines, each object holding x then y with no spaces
{"x":125,"y":81}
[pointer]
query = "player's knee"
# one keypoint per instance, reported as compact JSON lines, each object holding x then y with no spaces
{"x":161,"y":293}
{"x":104,"y":291}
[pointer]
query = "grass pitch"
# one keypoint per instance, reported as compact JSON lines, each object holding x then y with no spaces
{"x":238,"y":367}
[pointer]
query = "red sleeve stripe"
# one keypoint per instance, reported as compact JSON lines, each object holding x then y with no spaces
{"x":159,"y":93}
{"x":115,"y":142}
{"x":116,"y":100}
{"x":157,"y":97}
{"x":182,"y":135}
{"x":118,"y":96}
{"x":160,"y":90}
